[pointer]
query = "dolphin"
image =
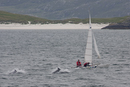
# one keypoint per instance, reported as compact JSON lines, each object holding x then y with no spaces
{"x":58,"y":69}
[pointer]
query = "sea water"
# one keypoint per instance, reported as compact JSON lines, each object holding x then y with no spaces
{"x":28,"y":58}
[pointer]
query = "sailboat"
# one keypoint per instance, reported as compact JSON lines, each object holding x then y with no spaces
{"x":90,"y":39}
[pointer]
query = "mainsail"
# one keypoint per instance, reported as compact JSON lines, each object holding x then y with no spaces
{"x":88,"y":52}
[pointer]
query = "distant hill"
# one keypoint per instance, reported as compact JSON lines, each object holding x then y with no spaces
{"x":6,"y":17}
{"x":66,"y":9}
{"x":115,"y":23}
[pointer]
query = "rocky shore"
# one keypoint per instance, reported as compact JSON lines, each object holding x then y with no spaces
{"x":117,"y":26}
{"x":124,"y":24}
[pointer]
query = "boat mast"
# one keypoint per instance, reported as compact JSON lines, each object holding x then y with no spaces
{"x":90,"y":21}
{"x":88,"y":52}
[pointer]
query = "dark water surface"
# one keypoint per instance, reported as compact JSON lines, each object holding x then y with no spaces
{"x":35,"y":53}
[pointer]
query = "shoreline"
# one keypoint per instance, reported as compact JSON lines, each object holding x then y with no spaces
{"x":51,"y":26}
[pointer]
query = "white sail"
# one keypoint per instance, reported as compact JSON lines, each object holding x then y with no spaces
{"x":95,"y":46}
{"x":88,"y":51}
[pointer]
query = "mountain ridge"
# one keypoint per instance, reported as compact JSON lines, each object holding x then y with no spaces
{"x":65,"y":9}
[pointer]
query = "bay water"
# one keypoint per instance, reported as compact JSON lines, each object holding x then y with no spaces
{"x":36,"y":53}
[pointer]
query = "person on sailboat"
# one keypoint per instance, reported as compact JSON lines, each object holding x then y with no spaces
{"x":86,"y":64}
{"x":78,"y":63}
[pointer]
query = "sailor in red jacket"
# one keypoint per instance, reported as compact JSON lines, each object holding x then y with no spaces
{"x":78,"y":63}
{"x":86,"y":64}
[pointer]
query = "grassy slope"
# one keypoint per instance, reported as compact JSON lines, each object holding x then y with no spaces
{"x":98,"y":20}
{"x":6,"y":17}
{"x":16,"y":18}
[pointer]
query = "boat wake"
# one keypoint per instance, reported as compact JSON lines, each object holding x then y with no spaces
{"x":103,"y":65}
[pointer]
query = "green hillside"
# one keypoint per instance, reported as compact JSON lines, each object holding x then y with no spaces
{"x":94,"y":20}
{"x":6,"y":17}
